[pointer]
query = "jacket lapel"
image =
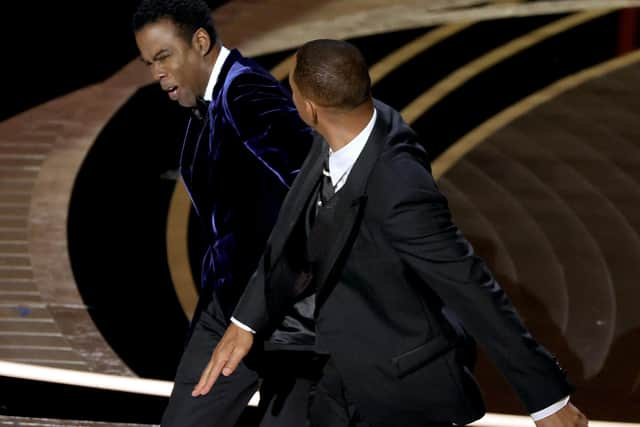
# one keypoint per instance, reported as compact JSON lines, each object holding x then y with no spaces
{"x":233,"y":57}
{"x":196,"y":131}
{"x":294,"y":203}
{"x":334,"y":240}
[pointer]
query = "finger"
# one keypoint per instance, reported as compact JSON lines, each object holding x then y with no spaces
{"x":219,"y":356}
{"x":217,"y":364}
{"x":203,"y":379}
{"x":234,"y":360}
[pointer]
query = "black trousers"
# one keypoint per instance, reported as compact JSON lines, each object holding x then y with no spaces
{"x":332,"y":406}
{"x":284,"y":379}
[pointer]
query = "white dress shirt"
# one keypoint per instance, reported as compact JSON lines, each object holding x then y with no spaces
{"x":340,"y":164}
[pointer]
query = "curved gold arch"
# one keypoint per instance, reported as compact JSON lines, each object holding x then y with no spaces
{"x":400,"y":56}
{"x":178,"y":250}
{"x":463,"y":74}
{"x":480,"y":134}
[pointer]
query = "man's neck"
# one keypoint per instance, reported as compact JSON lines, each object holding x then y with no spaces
{"x":342,"y":127}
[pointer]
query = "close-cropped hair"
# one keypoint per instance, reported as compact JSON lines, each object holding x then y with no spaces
{"x":187,"y":15}
{"x":332,"y":73}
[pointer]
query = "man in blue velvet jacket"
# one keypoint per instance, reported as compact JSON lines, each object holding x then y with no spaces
{"x":242,"y":150}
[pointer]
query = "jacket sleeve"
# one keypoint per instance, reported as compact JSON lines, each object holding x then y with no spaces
{"x":251,"y":309}
{"x":265,"y":119}
{"x":418,"y":224}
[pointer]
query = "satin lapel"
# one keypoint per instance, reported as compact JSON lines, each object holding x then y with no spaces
{"x":233,"y":57}
{"x":198,"y":133}
{"x":194,"y":134}
{"x":294,"y":203}
{"x":185,"y":165}
{"x":213,"y":145}
{"x":336,"y":238}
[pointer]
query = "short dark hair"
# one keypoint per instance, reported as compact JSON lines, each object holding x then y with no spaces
{"x":332,"y":73}
{"x":187,"y":15}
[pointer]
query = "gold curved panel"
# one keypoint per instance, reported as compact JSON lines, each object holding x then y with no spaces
{"x":178,"y":250}
{"x":467,"y":143}
{"x":462,"y":75}
{"x":400,"y":56}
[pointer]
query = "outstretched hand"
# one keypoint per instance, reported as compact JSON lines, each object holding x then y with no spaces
{"x":569,"y":416}
{"x":232,"y":348}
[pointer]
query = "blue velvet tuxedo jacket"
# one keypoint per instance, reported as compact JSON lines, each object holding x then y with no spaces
{"x":237,"y":165}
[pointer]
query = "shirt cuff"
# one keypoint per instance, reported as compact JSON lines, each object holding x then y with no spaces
{"x":242,"y":325}
{"x":550,"y":410}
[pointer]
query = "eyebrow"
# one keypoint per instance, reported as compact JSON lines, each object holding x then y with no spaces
{"x":155,"y":57}
{"x":160,"y":52}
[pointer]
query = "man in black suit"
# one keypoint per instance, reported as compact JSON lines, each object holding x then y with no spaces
{"x":398,"y":290}
{"x":242,"y":149}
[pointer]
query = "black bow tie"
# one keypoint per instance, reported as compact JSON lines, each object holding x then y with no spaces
{"x":201,"y":110}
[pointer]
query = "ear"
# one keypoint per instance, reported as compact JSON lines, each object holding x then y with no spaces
{"x":201,"y":41}
{"x":311,"y":110}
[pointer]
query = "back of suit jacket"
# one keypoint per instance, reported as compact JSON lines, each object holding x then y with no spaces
{"x":397,"y":289}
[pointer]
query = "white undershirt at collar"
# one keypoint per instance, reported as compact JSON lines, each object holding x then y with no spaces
{"x":215,"y":73}
{"x":341,"y":161}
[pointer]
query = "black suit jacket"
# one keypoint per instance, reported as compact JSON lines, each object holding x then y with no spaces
{"x":398,"y":287}
{"x":237,"y":165}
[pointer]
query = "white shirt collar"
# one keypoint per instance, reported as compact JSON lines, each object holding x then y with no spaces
{"x":215,"y":73}
{"x":341,"y":161}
